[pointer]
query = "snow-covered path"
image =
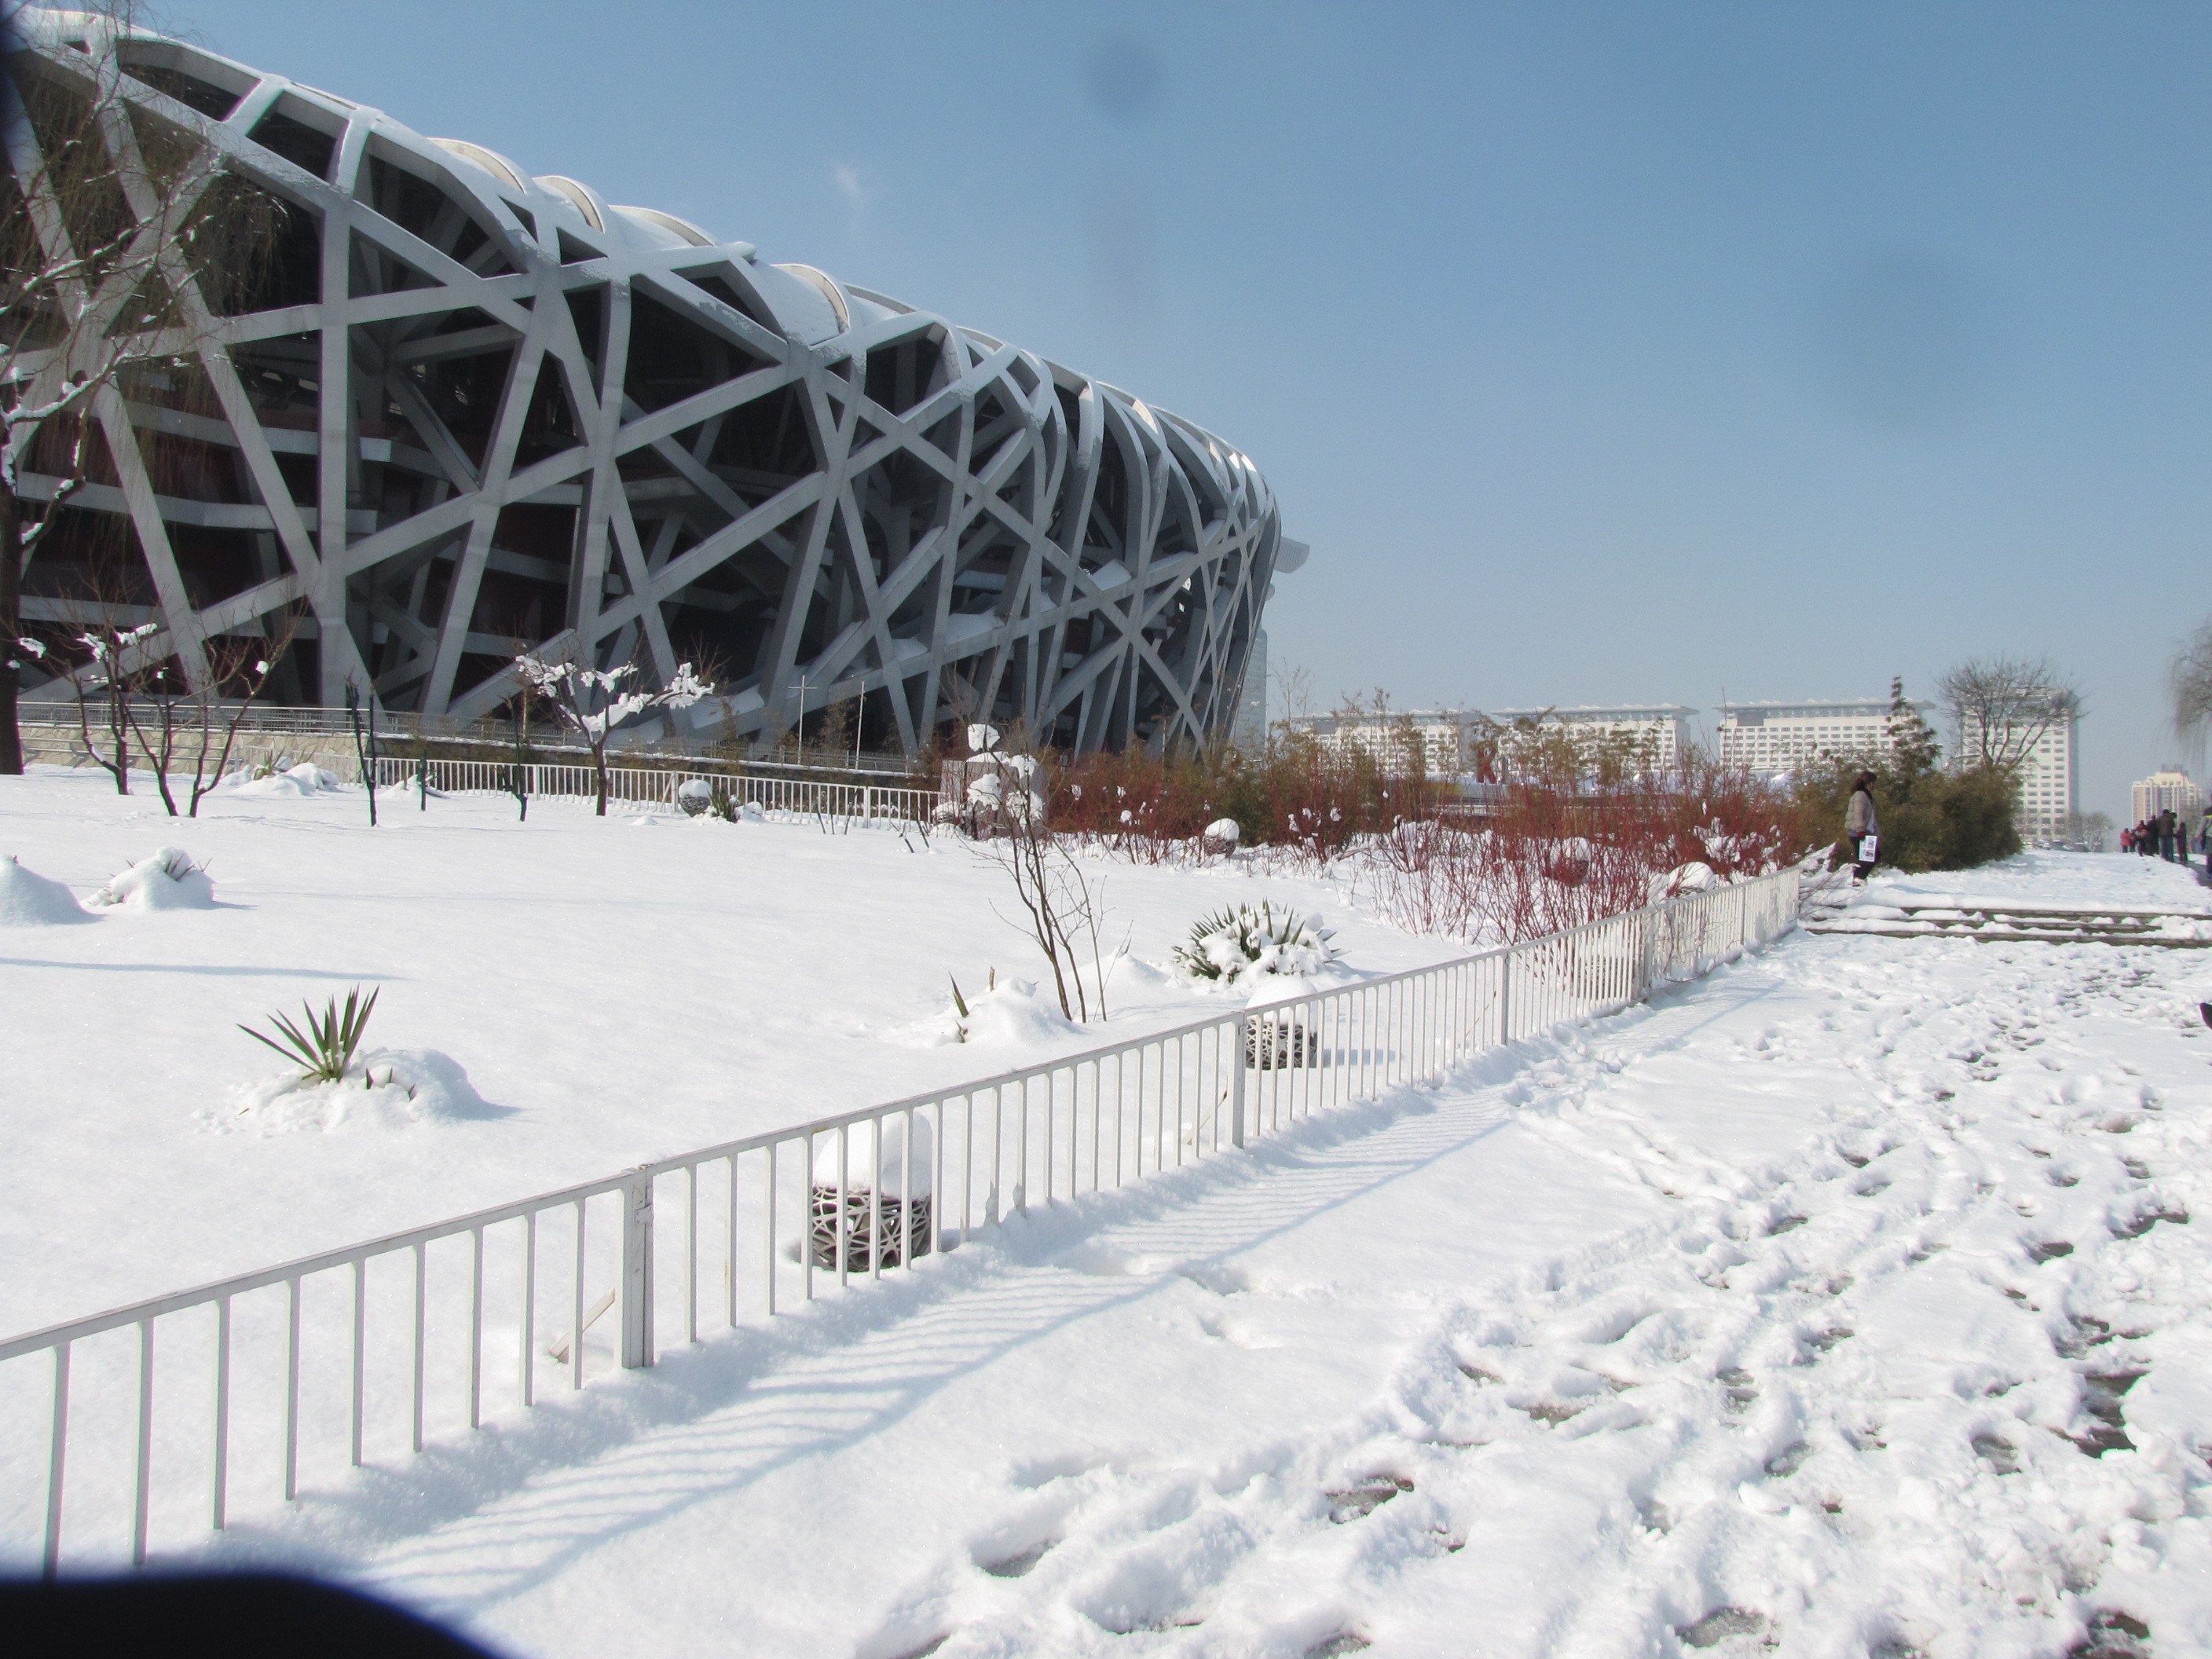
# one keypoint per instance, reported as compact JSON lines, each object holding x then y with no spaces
{"x":1843,"y":1303}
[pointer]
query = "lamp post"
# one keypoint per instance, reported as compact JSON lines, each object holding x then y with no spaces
{"x":800,"y":686}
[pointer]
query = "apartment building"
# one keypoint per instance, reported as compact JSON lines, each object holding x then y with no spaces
{"x":2046,"y":784}
{"x":1441,"y":734}
{"x":2171,"y":788}
{"x":1780,"y":736}
{"x":1447,"y":736}
{"x":1664,"y":725}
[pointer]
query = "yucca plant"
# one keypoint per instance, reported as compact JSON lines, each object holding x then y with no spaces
{"x":326,"y":1048}
{"x":1234,"y":942}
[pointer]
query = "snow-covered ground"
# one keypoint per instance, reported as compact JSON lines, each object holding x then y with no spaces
{"x":614,"y":989}
{"x":1846,"y":1303}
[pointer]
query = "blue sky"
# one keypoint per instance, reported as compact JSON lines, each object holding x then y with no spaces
{"x":1603,"y":352}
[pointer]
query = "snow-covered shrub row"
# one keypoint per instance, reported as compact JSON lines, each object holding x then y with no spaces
{"x":304,"y":780}
{"x":167,"y":879}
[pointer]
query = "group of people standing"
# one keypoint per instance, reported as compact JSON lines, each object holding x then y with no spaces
{"x":2164,"y":836}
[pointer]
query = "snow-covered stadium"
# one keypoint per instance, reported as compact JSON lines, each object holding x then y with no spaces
{"x":599,"y":432}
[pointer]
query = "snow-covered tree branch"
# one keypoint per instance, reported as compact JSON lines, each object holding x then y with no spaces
{"x":593,"y":702}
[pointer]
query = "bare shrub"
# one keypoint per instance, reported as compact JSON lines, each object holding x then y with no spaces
{"x":1555,"y":854}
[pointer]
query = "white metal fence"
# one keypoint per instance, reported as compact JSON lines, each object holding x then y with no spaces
{"x":293,"y":720}
{"x":636,"y":786}
{"x":291,"y":1374}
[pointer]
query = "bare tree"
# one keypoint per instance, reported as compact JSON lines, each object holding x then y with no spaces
{"x":2086,"y":830}
{"x":113,"y":231}
{"x":2001,"y":707}
{"x":591,"y":702}
{"x":105,"y":679}
{"x":2189,"y":677}
{"x":173,"y":723}
{"x":1060,"y":908}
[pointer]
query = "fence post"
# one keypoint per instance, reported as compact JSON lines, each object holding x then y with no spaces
{"x":637,"y":1275}
{"x":1505,"y":997}
{"x":1239,"y":1061}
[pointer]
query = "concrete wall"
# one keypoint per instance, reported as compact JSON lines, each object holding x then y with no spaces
{"x":61,"y":745}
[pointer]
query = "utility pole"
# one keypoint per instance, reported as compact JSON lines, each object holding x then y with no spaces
{"x":800,"y":686}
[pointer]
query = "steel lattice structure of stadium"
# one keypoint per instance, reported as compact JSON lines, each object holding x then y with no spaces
{"x":596,"y":431}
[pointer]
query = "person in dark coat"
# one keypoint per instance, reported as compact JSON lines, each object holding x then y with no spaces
{"x":2169,"y":828}
{"x":1861,"y":827}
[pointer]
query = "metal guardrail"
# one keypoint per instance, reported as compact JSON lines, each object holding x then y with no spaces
{"x":654,"y":787}
{"x":779,"y":1214}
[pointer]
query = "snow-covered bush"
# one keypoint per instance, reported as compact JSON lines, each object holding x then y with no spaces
{"x":28,"y":900}
{"x":695,"y":796}
{"x":1236,"y":944}
{"x":1221,"y":836}
{"x":168,"y":880}
{"x":1695,"y":876}
{"x":305,"y":779}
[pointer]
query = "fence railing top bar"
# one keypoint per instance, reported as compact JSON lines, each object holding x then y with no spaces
{"x":302,"y":1266}
{"x":153,"y":1307}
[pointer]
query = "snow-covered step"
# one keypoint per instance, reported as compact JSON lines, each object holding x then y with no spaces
{"x":2056,"y":924}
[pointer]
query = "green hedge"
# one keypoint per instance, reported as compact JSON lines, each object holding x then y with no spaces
{"x":1930,"y":820}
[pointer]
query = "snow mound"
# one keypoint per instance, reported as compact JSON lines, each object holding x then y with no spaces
{"x":1693,"y":878}
{"x":385,"y":1090}
{"x":169,"y":880}
{"x":1126,"y":972}
{"x":847,"y":1156}
{"x":1011,"y":1016}
{"x":305,"y":779}
{"x":28,"y":900}
{"x":1270,"y":988}
{"x":1015,"y":1017}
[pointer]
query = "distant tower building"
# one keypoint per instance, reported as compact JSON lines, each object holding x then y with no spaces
{"x":2046,"y":783}
{"x":2171,"y":788}
{"x":1778,"y":737}
{"x":1251,"y":729}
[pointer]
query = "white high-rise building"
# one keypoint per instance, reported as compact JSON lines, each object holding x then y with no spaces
{"x":1778,"y":736}
{"x":2045,"y":773}
{"x":2171,"y":788}
{"x":2046,"y":784}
